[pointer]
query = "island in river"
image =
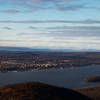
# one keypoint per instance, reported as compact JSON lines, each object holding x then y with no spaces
{"x":93,"y":79}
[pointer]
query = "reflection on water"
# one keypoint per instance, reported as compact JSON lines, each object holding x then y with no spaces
{"x":69,"y":78}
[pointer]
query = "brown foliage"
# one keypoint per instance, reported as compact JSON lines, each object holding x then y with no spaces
{"x":38,"y":91}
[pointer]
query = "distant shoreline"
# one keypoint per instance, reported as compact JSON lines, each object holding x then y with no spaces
{"x":51,"y":69}
{"x":27,"y":61}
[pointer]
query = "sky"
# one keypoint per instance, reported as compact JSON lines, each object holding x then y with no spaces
{"x":54,"y":24}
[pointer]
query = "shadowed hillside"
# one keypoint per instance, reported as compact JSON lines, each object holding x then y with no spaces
{"x":38,"y":91}
{"x":92,"y":92}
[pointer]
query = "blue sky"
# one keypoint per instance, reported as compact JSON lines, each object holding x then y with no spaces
{"x":54,"y":24}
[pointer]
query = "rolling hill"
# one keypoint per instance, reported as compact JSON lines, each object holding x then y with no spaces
{"x":39,"y":91}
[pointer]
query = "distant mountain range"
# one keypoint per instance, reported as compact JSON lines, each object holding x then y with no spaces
{"x":14,"y":48}
{"x":8,"y":48}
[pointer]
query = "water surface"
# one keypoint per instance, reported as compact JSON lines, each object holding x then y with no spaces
{"x":68,"y":78}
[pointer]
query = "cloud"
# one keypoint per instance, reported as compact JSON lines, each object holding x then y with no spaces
{"x":31,"y":27}
{"x":42,"y":1}
{"x":3,"y":40}
{"x":88,"y":21}
{"x":35,"y":34}
{"x":78,"y":43}
{"x":74,"y":28}
{"x":34,"y":5}
{"x":14,"y":11}
{"x":10,"y":11}
{"x":62,"y":5}
{"x":64,"y":31}
{"x":70,"y":7}
{"x":7,"y":28}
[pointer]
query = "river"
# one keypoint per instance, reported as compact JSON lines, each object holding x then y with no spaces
{"x":68,"y":78}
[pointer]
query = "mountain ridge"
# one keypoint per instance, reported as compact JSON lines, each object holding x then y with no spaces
{"x":41,"y":49}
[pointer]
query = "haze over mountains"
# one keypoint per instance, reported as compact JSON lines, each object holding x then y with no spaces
{"x":9,"y":48}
